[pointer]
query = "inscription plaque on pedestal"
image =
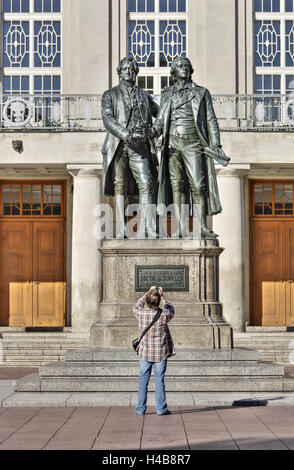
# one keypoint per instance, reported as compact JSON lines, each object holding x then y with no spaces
{"x":171,"y":278}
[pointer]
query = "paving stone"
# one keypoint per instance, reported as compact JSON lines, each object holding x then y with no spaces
{"x":205,"y":430}
{"x":251,"y":434}
{"x":80,"y":431}
{"x":164,"y":432}
{"x":35,"y":434}
{"x":122,"y":430}
{"x":14,"y":419}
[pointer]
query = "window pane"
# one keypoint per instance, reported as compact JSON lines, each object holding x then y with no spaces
{"x":141,"y":82}
{"x":172,"y":5}
{"x":182,"y":5}
{"x":131,"y":5}
{"x":267,"y":5}
{"x":289,"y":83}
{"x":56,"y":6}
{"x":38,"y":6}
{"x":257,"y":5}
{"x":16,"y":6}
{"x":6,"y":6}
{"x":276,"y":5}
{"x":268,"y":199}
{"x":258,"y":199}
{"x":141,"y":5}
{"x":47,"y":6}
{"x":150,"y":5}
{"x":149,"y":82}
{"x":163,"y":5}
{"x":25,"y":6}
{"x":289,"y":5}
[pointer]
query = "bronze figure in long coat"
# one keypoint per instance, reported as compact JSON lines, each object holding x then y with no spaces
{"x":206,"y":134}
{"x":129,"y":165}
{"x":116,"y":111}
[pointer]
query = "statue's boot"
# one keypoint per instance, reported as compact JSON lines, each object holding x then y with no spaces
{"x":147,"y":227}
{"x":200,"y":210}
{"x":120,"y":216}
{"x":179,"y":201}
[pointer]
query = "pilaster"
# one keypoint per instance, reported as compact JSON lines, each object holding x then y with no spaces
{"x":86,"y":260}
{"x":230,"y":226}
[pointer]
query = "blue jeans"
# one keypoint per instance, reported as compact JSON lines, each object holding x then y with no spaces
{"x":144,"y":377}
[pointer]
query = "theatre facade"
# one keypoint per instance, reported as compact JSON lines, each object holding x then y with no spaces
{"x":57,"y":58}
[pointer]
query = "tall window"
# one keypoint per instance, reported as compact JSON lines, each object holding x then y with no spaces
{"x":32,"y":46}
{"x":157,"y":33}
{"x":274,"y":46}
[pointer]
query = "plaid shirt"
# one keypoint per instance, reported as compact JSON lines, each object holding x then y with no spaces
{"x":157,"y":344}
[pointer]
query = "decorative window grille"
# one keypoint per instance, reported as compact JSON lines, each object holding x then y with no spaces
{"x":142,"y":42}
{"x":272,"y":199}
{"x":267,"y":44}
{"x":41,"y":200}
{"x":32,"y":42}
{"x":157,"y":33}
{"x":47,"y":43}
{"x":16,"y":44}
{"x":289,"y":43}
{"x":172,"y":41}
{"x":273,"y":46}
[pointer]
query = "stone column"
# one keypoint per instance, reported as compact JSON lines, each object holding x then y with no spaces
{"x":86,"y":259}
{"x":230,"y":226}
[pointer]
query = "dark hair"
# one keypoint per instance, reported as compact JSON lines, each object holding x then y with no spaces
{"x":129,"y":60}
{"x":174,"y":65}
{"x":150,"y":300}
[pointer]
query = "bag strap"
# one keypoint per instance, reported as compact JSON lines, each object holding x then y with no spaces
{"x":154,"y":320}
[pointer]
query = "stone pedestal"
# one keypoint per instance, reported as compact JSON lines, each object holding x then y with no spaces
{"x":198,"y":321}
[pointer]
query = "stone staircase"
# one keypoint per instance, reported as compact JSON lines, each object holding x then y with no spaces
{"x":116,"y":370}
{"x":274,"y":344}
{"x":34,"y":349}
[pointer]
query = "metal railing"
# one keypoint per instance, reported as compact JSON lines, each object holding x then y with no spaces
{"x":83,"y":112}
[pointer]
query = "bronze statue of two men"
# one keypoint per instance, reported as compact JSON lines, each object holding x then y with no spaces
{"x":190,"y":144}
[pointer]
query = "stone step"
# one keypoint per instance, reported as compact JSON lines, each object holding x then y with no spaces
{"x":131,"y":369}
{"x":100,"y":354}
{"x":269,"y":329}
{"x":34,"y":383}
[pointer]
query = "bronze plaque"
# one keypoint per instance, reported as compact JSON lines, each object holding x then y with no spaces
{"x":171,"y":278}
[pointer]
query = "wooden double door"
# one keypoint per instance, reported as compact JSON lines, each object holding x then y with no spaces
{"x":32,"y":266}
{"x":272,"y":272}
